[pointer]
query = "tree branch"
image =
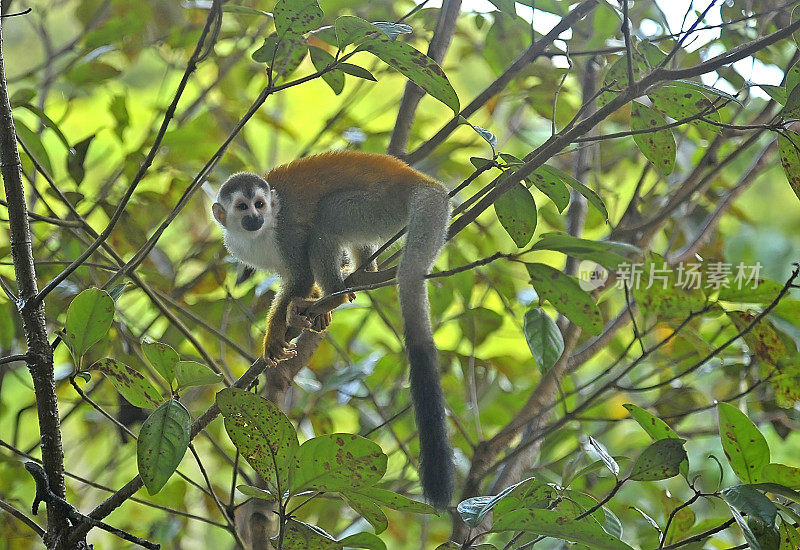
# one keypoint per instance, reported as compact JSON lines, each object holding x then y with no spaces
{"x":442,"y":35}
{"x":39,"y":354}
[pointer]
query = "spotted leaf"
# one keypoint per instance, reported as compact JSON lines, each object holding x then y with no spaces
{"x":659,"y":145}
{"x":263,"y":434}
{"x":337,"y":462}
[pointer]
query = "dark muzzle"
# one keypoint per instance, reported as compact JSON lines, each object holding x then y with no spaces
{"x":253,"y":222}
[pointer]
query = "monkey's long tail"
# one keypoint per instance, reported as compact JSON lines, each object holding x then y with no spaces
{"x":429,"y":213}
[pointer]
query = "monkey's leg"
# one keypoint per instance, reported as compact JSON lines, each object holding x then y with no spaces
{"x":362,"y":254}
{"x":325,"y":253}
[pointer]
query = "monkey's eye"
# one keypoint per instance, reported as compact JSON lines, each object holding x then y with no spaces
{"x":241,"y":206}
{"x":259,"y":203}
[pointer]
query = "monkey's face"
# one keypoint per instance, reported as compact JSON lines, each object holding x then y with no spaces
{"x":246,"y":205}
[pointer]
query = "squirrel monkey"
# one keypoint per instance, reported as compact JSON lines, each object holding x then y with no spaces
{"x":298,"y":221}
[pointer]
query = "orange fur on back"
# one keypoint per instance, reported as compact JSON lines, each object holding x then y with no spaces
{"x":313,"y":177}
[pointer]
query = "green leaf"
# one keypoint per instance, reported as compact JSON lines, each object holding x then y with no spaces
{"x":337,"y":462}
{"x":368,"y":509}
{"x":162,"y":358}
{"x":7,"y":328}
{"x":705,"y":89}
{"x":789,"y":149}
{"x":616,"y":78}
{"x":659,"y":292}
{"x":352,"y":30}
{"x":394,"y":500}
{"x":792,"y":78}
{"x":795,"y":16}
{"x":91,"y":73}
{"x":417,"y":67}
{"x":304,"y":536}
{"x":655,"y":428}
{"x":473,"y":510}
{"x":745,"y":447}
{"x":478,"y":323}
{"x":357,"y":71}
{"x":529,"y":493}
{"x":516,"y":211}
{"x":76,"y":156}
{"x":790,"y":536}
{"x":326,"y":34}
{"x":256,"y":492}
{"x":791,"y":108}
{"x":658,"y":146}
{"x":162,"y":443}
{"x":363,"y":540}
{"x":544,"y":339}
{"x":781,"y":474}
{"x":192,"y":373}
{"x":129,"y":383}
{"x":550,"y":183}
{"x":34,"y":144}
{"x":88,"y":319}
{"x":661,"y":460}
{"x":299,"y":535}
{"x":284,"y":55}
{"x":48,"y":123}
{"x":767,"y":536}
{"x":762,"y":338}
{"x":119,"y":110}
{"x":321,"y":59}
{"x":593,"y":198}
{"x":22,"y":96}
{"x":752,"y":502}
{"x":263,"y":434}
{"x":748,"y":534}
{"x":762,"y":291}
{"x":652,"y":53}
{"x":558,"y":525}
{"x":680,"y":102}
{"x":479,"y":162}
{"x":296,"y":16}
{"x":608,"y":254}
{"x":563,"y":292}
{"x":778,"y":93}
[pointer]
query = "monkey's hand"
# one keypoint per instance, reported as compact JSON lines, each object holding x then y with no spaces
{"x":276,"y":349}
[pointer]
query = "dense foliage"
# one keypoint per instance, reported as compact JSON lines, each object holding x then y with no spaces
{"x":616,"y":306}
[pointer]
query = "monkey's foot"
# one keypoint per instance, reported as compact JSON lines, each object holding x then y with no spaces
{"x":321,"y":322}
{"x":351,"y":296}
{"x":297,"y":314}
{"x":278,"y":351}
{"x":300,"y":315}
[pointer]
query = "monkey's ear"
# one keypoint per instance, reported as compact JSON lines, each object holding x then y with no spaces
{"x":274,"y":202}
{"x":219,"y":213}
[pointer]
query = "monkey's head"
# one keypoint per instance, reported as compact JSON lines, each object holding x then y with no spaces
{"x":245,"y":204}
